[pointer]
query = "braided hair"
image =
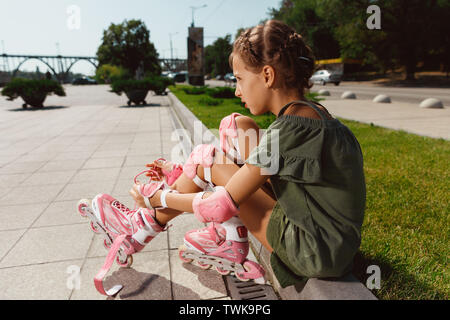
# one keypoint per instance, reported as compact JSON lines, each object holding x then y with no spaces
{"x":276,"y":44}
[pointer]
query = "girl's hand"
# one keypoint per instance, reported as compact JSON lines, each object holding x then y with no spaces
{"x":134,"y":192}
{"x":158,"y":166}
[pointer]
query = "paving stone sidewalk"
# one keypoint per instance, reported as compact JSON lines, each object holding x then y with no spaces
{"x":87,"y":143}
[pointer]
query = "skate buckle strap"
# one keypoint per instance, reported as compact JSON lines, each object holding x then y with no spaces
{"x":152,"y":172}
{"x":98,"y":280}
{"x":149,"y":189}
{"x":163,"y":197}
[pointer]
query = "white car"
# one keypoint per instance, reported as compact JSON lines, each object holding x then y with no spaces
{"x":324,"y":76}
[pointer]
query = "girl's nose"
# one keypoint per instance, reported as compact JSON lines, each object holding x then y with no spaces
{"x":237,"y":92}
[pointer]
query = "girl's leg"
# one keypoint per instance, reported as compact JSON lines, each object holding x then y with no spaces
{"x":255,"y":212}
{"x":183,"y":185}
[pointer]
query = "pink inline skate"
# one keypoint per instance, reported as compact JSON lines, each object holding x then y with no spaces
{"x":224,"y":246}
{"x":125,"y":231}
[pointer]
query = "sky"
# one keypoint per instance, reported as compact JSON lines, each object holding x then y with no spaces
{"x":75,"y":27}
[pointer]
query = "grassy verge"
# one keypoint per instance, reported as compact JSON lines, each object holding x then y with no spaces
{"x":406,"y":226}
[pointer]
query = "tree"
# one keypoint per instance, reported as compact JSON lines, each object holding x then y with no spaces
{"x":216,"y":56}
{"x":128,"y":45}
{"x":106,"y":73}
{"x":410,"y":31}
{"x":308,"y":19}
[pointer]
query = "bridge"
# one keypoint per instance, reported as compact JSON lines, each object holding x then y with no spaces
{"x":61,"y":65}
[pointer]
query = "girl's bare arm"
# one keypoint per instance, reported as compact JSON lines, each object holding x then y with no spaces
{"x":244,"y":182}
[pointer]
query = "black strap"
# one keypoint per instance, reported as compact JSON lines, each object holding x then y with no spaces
{"x":317,"y":109}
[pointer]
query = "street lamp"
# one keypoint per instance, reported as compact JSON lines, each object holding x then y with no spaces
{"x":171,"y":50}
{"x":193,"y":9}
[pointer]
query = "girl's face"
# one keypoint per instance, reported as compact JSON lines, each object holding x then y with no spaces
{"x":250,"y":87}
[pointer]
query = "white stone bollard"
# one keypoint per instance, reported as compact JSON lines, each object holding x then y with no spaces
{"x":348,"y":95}
{"x":432,"y":103}
{"x":382,"y":98}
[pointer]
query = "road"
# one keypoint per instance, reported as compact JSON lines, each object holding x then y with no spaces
{"x":369,"y":91}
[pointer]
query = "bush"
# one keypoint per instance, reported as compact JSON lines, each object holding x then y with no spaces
{"x":107,"y":73}
{"x":157,"y":84}
{"x":26,"y":88}
{"x":194,"y":90}
{"x":221,"y":92}
{"x":125,"y":85}
{"x":210,"y":102}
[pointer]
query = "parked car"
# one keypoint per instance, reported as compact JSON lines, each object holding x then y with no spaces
{"x":84,"y":80}
{"x":181,"y":76}
{"x":325,"y":76}
{"x":229,"y":77}
{"x":219,"y":77}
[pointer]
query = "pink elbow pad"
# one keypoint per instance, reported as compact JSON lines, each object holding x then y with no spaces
{"x":228,"y":128}
{"x":202,"y":154}
{"x":218,"y":207}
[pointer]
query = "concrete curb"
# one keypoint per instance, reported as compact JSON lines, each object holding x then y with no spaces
{"x":345,"y":288}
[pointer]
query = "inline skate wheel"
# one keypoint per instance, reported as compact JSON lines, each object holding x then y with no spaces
{"x":83,"y":204}
{"x":181,"y":252}
{"x":223,"y":271}
{"x":241,"y":276}
{"x":94,"y":227}
{"x":203,"y":266}
{"x":107,"y":244}
{"x":125,"y":264}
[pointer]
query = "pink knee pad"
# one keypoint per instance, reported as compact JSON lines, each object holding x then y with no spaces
{"x":218,"y":207}
{"x":228,"y":128}
{"x":202,"y":154}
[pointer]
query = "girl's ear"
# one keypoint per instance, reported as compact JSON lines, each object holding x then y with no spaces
{"x":268,"y":74}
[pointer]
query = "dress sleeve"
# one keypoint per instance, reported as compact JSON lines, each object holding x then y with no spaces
{"x":266,"y":154}
{"x":291,"y":151}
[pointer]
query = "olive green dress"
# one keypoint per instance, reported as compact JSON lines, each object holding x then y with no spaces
{"x":316,"y":168}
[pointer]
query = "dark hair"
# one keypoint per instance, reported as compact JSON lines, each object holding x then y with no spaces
{"x":276,"y":44}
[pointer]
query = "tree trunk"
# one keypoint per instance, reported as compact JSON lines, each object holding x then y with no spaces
{"x":410,"y":70}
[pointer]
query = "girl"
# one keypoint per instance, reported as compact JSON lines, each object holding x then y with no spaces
{"x":310,"y":217}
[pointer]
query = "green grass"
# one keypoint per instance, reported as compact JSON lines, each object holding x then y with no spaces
{"x":406,"y":225}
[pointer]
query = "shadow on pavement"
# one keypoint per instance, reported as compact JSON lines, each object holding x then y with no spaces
{"x":144,"y":286}
{"x":142,"y":105}
{"x":45,"y":108}
{"x":208,"y":278}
